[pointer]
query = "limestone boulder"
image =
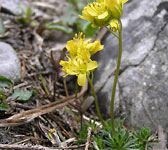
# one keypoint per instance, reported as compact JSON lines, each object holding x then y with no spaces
{"x":142,"y":90}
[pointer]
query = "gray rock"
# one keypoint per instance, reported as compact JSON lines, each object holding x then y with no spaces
{"x":142,"y":95}
{"x":10,"y":66}
{"x":14,"y":6}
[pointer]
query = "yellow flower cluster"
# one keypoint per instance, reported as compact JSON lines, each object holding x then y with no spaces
{"x":79,"y":57}
{"x":104,"y":12}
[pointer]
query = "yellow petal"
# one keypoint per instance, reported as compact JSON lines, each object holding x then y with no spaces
{"x":62,"y":63}
{"x":81,"y":79}
{"x":92,"y":65}
{"x":104,"y":15}
{"x":124,"y":1}
{"x":91,"y":11}
{"x":100,"y":1}
{"x":116,"y":7}
{"x":95,"y":47}
{"x":86,"y":15}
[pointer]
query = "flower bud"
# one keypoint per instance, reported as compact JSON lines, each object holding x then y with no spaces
{"x":114,"y":25}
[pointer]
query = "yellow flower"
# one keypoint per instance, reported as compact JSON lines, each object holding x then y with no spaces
{"x":114,"y":25}
{"x":78,"y":67}
{"x":104,"y":12}
{"x":80,"y":46}
{"x":116,"y":7}
{"x":79,"y":62}
{"x":94,"y":47}
{"x":96,"y":13}
{"x":76,"y":45}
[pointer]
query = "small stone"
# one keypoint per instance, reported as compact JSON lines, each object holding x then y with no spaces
{"x":14,"y":6}
{"x":10,"y":66}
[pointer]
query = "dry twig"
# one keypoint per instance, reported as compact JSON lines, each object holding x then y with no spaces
{"x":27,"y":116}
{"x":88,"y":138}
{"x":36,"y":147}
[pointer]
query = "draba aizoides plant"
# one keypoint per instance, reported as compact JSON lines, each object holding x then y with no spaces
{"x":104,"y":13}
{"x":101,"y":13}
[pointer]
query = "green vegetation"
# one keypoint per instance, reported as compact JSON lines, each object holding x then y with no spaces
{"x":123,"y":139}
{"x":70,"y":22}
{"x":7,"y":94}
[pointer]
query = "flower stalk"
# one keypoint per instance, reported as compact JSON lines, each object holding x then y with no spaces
{"x":116,"y":76}
{"x":90,"y":80}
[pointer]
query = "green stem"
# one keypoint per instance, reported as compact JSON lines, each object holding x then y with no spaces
{"x":44,"y":85}
{"x":95,"y":98}
{"x":112,"y":32}
{"x":116,"y":77}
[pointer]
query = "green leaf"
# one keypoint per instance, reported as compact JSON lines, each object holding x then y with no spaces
{"x":26,"y":16}
{"x":2,"y":29}
{"x":85,"y":26}
{"x":90,"y":31}
{"x":22,"y":95}
{"x":70,"y":16}
{"x":6,"y":85}
{"x":2,"y":95}
{"x":80,"y":6}
{"x":5,"y":81}
{"x":4,"y":106}
{"x":73,"y":2}
{"x":69,"y":19}
{"x":62,"y":28}
{"x":29,"y":13}
{"x":70,"y":11}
